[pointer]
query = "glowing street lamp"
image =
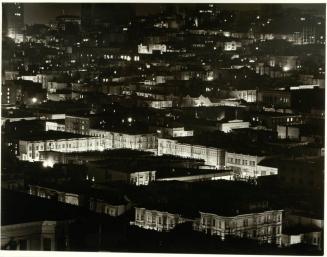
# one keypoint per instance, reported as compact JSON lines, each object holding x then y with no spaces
{"x":34,"y":100}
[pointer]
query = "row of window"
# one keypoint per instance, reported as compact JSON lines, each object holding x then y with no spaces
{"x":53,"y":145}
{"x":239,"y":161}
{"x":218,"y":223}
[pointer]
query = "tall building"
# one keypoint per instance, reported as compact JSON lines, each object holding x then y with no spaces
{"x":13,"y":21}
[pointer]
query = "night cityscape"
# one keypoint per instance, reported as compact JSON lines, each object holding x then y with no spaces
{"x":163,"y":128}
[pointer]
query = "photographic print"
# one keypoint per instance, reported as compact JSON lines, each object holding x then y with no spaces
{"x":192,"y":128}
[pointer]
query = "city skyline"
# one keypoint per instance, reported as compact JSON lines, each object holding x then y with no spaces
{"x":163,"y":128}
{"x":49,"y":11}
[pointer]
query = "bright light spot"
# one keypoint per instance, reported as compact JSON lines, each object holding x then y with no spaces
{"x":34,"y":100}
{"x":258,"y":17}
{"x":48,"y":163}
{"x":129,"y":119}
{"x":209,"y":78}
{"x":286,"y":68}
{"x":257,"y":48}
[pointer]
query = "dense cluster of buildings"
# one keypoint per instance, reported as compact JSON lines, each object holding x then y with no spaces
{"x":197,"y":118}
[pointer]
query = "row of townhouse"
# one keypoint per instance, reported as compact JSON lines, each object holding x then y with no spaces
{"x":243,"y":165}
{"x":136,"y":141}
{"x":29,"y":150}
{"x":265,"y":226}
{"x":95,"y":203}
{"x":212,"y":156}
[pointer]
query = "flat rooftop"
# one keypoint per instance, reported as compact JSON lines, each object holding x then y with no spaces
{"x":184,"y":172}
{"x":221,"y":197}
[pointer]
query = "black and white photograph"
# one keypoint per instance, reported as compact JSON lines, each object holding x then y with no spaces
{"x":162,"y":127}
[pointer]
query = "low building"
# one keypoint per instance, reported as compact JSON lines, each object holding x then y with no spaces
{"x":77,"y":124}
{"x":272,"y":119}
{"x":267,"y":167}
{"x":244,"y":165}
{"x":157,"y":220}
{"x":265,"y":226}
{"x":55,"y":194}
{"x":275,"y":98}
{"x":32,"y":223}
{"x":303,"y":228}
{"x":247,"y":95}
{"x":232,"y":124}
{"x":151,"y":48}
{"x":232,"y":45}
{"x":244,"y":213}
{"x":288,"y":132}
{"x":129,"y":139}
{"x":211,"y":155}
{"x":173,"y":131}
{"x":101,"y":205}
{"x":55,"y":125}
{"x":302,"y":173}
{"x":96,"y":200}
{"x":30,"y":148}
{"x":105,"y":171}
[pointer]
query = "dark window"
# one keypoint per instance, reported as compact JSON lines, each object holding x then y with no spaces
{"x":47,"y":244}
{"x":22,"y":244}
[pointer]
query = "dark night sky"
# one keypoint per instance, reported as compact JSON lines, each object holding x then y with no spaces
{"x":42,"y":12}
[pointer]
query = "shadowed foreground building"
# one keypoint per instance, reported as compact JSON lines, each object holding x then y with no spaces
{"x":233,"y":214}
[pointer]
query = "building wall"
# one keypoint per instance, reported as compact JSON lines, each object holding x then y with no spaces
{"x":272,"y":121}
{"x":101,"y":206}
{"x":266,"y":171}
{"x":114,"y":140}
{"x":13,"y":21}
{"x":30,"y":150}
{"x":142,"y":177}
{"x":211,"y":156}
{"x":51,"y":125}
{"x":248,"y":95}
{"x":229,"y":126}
{"x":160,"y":104}
{"x":285,"y":132}
{"x":39,"y":235}
{"x":54,"y":194}
{"x":77,"y":125}
{"x":242,"y":164}
{"x":275,"y":98}
{"x":156,"y":220}
{"x":264,"y":226}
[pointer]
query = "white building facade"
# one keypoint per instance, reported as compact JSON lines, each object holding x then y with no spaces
{"x":263,"y":226}
{"x":212,"y":156}
{"x":245,"y":166}
{"x":30,"y":150}
{"x":157,"y":220}
{"x":115,"y":140}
